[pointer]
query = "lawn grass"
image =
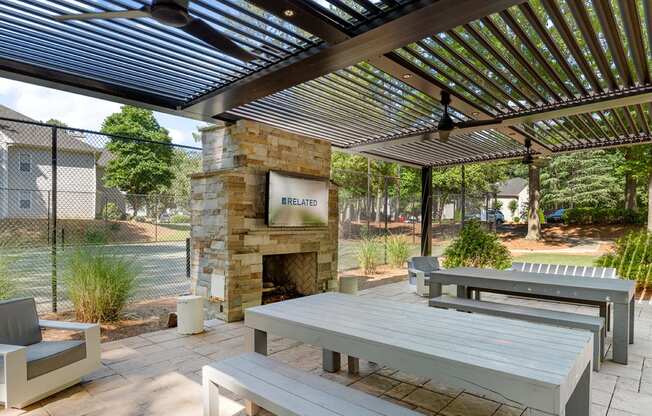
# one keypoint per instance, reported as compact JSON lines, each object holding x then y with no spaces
{"x":552,"y":258}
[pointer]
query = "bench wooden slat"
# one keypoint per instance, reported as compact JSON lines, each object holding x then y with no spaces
{"x":282,"y":389}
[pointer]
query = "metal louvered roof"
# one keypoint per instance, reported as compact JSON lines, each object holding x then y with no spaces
{"x":366,"y":75}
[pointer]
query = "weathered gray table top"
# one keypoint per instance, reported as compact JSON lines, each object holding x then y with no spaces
{"x":588,"y":288}
{"x":529,"y":364}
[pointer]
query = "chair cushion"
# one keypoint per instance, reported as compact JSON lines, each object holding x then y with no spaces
{"x":19,"y":322}
{"x":47,"y":356}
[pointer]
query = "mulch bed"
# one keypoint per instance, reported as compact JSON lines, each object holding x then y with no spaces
{"x":138,"y":318}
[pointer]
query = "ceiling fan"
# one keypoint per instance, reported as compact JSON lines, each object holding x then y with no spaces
{"x":173,"y":13}
{"x":446,"y":124}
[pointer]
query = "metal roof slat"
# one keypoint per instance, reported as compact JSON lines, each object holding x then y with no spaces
{"x":610,"y":31}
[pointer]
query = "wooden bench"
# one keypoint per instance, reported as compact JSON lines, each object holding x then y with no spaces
{"x":594,"y":324}
{"x":284,"y":390}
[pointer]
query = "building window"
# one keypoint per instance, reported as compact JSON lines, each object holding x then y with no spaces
{"x":25,"y":161}
{"x":25,"y":200}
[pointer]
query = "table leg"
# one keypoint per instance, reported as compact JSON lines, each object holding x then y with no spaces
{"x":579,"y":403}
{"x":604,"y":313}
{"x":621,"y":332}
{"x":255,"y":341}
{"x":331,"y":361}
{"x":632,"y":318}
{"x":211,"y":399}
{"x":462,"y":292}
{"x":435,"y":289}
{"x":353,"y":365}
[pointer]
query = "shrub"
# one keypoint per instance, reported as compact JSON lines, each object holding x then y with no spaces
{"x":631,"y":256}
{"x":398,"y":250}
{"x":603,"y":216}
{"x":97,"y":237}
{"x":368,"y":253}
{"x":112,"y":212}
{"x":476,"y":247}
{"x":513,"y":206}
{"x":99,"y":285}
{"x":180,"y":219}
{"x":516,"y":219}
{"x":7,"y":285}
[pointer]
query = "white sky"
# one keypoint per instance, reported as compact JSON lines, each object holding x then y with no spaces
{"x":79,"y":111}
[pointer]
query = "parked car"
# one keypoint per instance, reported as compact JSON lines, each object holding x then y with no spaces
{"x":493,"y":213}
{"x":412,"y":219}
{"x":164,"y":218}
{"x":556,"y":216}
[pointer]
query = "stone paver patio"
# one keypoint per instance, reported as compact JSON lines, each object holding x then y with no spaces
{"x":160,"y":374}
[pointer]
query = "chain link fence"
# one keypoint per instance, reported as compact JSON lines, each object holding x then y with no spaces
{"x":63,"y":188}
{"x":382,"y":207}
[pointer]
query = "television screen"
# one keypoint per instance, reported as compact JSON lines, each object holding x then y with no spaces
{"x":294,"y":201}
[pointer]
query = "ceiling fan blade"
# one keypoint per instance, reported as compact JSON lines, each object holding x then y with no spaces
{"x":203,"y":31}
{"x":476,"y":123}
{"x":123,"y":14}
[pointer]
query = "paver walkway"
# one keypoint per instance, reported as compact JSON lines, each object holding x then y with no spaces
{"x":160,"y":374}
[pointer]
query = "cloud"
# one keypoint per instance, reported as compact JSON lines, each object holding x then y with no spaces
{"x":42,"y":104}
{"x":79,"y":111}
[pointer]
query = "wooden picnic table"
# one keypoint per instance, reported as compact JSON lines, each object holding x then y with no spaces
{"x":617,"y":291}
{"x":541,"y":367}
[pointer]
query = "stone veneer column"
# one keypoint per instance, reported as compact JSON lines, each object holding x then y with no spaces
{"x":229,"y":235}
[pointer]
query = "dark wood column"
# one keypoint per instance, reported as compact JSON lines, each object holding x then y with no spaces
{"x":426,"y":211}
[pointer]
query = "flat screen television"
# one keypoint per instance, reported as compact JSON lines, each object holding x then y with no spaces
{"x":296,"y":201}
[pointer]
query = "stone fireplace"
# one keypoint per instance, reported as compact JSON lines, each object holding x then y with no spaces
{"x":236,"y":258}
{"x":286,"y":276}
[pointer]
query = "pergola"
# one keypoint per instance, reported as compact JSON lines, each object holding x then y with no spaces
{"x":539,"y":76}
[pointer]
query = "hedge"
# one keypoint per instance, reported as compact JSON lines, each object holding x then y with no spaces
{"x":586,"y":216}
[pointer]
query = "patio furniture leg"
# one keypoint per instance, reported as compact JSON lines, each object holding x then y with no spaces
{"x":353,"y":365}
{"x":255,"y":341}
{"x":462,"y":292}
{"x":632,"y":317}
{"x":604,"y":313}
{"x":579,"y":403}
{"x":331,"y":361}
{"x":435,"y":289}
{"x":211,"y":399}
{"x":621,"y":332}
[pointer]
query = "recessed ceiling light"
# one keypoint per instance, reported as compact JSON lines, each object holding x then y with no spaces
{"x":288,"y":12}
{"x":407,"y":76}
{"x":475,"y":113}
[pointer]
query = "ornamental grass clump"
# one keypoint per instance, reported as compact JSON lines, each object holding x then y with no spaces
{"x":477,"y":247}
{"x":368,"y":252}
{"x":99,"y":285}
{"x":631,"y":257}
{"x":398,"y":250}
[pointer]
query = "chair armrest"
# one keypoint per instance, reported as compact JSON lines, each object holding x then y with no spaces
{"x":68,"y":326}
{"x":8,"y":349}
{"x":417,"y":272}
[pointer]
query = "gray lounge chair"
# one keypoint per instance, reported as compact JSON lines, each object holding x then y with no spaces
{"x":32,"y":369}
{"x":419,"y":269}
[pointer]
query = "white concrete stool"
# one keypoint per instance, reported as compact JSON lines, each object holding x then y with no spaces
{"x":190,"y":314}
{"x":349,"y":285}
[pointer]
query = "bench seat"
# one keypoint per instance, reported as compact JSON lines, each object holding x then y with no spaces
{"x":284,"y":390}
{"x":594,"y":324}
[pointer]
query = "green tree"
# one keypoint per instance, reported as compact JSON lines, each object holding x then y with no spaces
{"x":138,"y":168}
{"x":582,"y":179}
{"x":513,"y":206}
{"x":56,"y":122}
{"x":184,"y":164}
